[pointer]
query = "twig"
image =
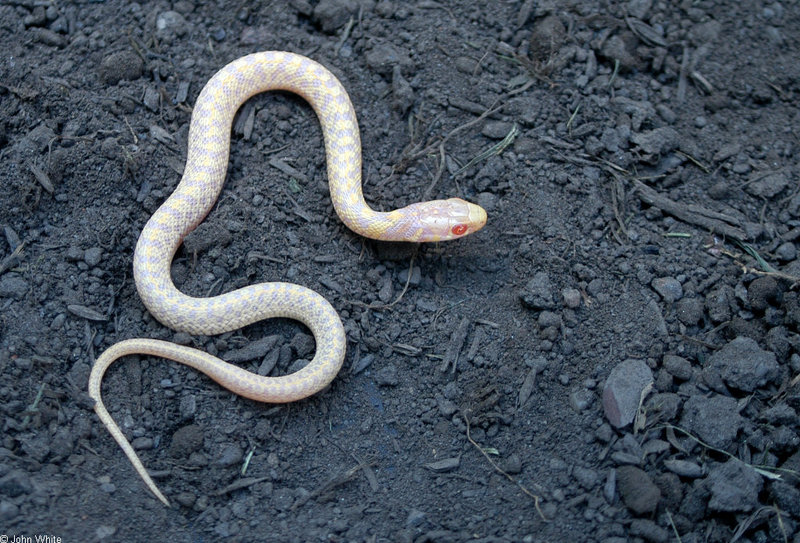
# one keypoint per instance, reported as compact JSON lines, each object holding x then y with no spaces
{"x":503,"y":472}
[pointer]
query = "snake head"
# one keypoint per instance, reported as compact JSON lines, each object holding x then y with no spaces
{"x":441,"y":220}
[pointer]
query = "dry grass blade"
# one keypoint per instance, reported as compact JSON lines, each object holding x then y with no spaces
{"x":536,"y":499}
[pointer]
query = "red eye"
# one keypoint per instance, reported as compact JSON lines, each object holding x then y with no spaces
{"x":459,"y":229}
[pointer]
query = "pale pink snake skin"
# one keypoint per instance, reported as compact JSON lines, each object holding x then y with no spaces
{"x":203,"y":178}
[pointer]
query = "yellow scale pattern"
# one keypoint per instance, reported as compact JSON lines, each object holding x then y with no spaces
{"x":202,"y":181}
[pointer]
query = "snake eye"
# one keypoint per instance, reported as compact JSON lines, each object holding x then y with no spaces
{"x":459,"y":229}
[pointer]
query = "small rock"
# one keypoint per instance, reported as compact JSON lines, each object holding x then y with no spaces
{"x":786,"y":252}
{"x":622,"y":47}
{"x":714,"y":420}
{"x":639,"y":493}
{"x":766,"y":186}
{"x":668,"y":288}
{"x":188,"y":407}
{"x":123,"y":65}
{"x":743,"y":365}
{"x":649,"y":531}
{"x":230,"y":455}
{"x":171,"y":24}
{"x":571,"y":297}
{"x":13,"y":286}
{"x":762,"y":292}
{"x":143,"y":443}
{"x":186,"y":441}
{"x":402,"y":93}
{"x":718,"y":304}
{"x":15,"y":483}
{"x":8,"y":511}
{"x":547,"y":37}
{"x":332,"y":15}
{"x":253,"y":350}
{"x":678,"y":367}
{"x":444,"y":465}
{"x":512,"y":465}
{"x":734,"y":487}
{"x":93,"y":256}
{"x":624,"y":389}
{"x":415,"y":518}
{"x":416,"y":276}
{"x":207,"y":235}
{"x":684,"y":468}
{"x":658,"y":141}
{"x":467,"y":65}
{"x":690,"y":311}
{"x":384,"y":57}
{"x":497,"y":130}
{"x":387,"y":376}
{"x":538,"y":293}
{"x":786,"y":497}
{"x":581,"y":399}
{"x":586,"y":477}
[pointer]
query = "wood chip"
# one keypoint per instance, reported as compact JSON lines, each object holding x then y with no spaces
{"x":457,"y":340}
{"x":42,"y":178}
{"x":280,"y":165}
{"x":86,"y":313}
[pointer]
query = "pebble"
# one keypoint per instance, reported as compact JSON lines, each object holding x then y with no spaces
{"x":734,"y":487}
{"x":743,"y":365}
{"x":444,"y":465}
{"x":385,"y":56}
{"x":230,"y":455}
{"x":253,"y":350}
{"x":714,"y":420}
{"x":638,"y":491}
{"x":571,"y":297}
{"x":416,"y":276}
{"x":678,"y":367}
{"x":13,"y":286}
{"x":581,"y":399}
{"x":622,"y":48}
{"x":786,"y":251}
{"x":402,"y":92}
{"x":690,"y":311}
{"x":93,"y":256}
{"x":766,"y":186}
{"x":649,"y":531}
{"x":718,"y":304}
{"x":121,"y":66}
{"x":188,"y":407}
{"x":623,"y":391}
{"x":657,"y":142}
{"x":15,"y":483}
{"x":497,"y":130}
{"x":668,"y":288}
{"x":387,"y":376}
{"x":8,"y":510}
{"x":332,"y":15}
{"x":512,"y":465}
{"x":786,"y":497}
{"x":186,"y":440}
{"x":762,"y":292}
{"x":538,"y":292}
{"x":684,"y":468}
{"x":586,"y":477}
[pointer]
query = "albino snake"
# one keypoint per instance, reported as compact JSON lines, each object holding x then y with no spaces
{"x":202,"y":181}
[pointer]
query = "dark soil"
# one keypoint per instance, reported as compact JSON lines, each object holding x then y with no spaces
{"x":615,"y":357}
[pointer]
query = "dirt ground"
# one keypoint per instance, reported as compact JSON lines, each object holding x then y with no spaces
{"x":614,"y":357}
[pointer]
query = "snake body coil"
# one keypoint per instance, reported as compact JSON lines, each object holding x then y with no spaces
{"x":202,"y":181}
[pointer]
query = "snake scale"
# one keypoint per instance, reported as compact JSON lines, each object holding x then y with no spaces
{"x":195,"y":195}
